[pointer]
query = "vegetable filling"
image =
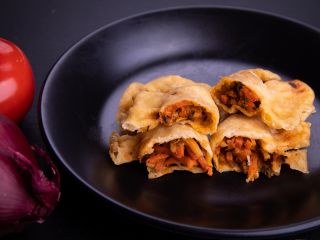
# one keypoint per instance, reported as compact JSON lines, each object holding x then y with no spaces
{"x":248,"y":155}
{"x":184,"y":110}
{"x":238,"y":94}
{"x":182,"y":152}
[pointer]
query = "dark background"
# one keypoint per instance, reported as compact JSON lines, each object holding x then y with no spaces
{"x":45,"y":30}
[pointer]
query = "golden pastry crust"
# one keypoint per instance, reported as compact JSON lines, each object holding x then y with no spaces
{"x":197,"y":96}
{"x":143,"y":115}
{"x":289,"y":103}
{"x":163,"y":134}
{"x":282,"y":144}
{"x":250,"y":78}
{"x":152,"y":174}
{"x":144,"y":107}
{"x":166,"y":83}
{"x":127,"y":100}
{"x":281,"y":104}
{"x":127,"y":148}
{"x":297,"y":160}
{"x":123,"y":149}
{"x":161,"y":84}
{"x":166,"y":120}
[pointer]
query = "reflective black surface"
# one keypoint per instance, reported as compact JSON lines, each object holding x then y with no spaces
{"x":81,"y":94}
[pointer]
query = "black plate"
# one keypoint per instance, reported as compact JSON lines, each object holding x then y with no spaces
{"x":81,"y":94}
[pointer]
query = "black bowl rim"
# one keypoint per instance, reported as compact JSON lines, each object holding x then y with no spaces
{"x":167,"y":224}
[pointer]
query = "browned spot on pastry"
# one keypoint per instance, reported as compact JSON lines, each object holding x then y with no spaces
{"x":297,"y":85}
{"x":294,"y":84}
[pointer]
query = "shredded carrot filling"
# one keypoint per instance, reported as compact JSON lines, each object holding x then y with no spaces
{"x":239,"y":94}
{"x":185,"y":152}
{"x":184,"y":110}
{"x":247,"y":153}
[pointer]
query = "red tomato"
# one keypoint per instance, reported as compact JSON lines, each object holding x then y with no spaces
{"x":16,"y":81}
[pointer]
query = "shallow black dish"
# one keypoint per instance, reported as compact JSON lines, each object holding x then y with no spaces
{"x":81,"y":94}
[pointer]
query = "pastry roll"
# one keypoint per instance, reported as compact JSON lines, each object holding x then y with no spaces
{"x":281,"y":104}
{"x":244,"y":144}
{"x":165,"y":101}
{"x":164,"y":150}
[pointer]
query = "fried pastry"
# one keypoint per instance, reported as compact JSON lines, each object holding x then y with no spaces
{"x":165,"y":101}
{"x":257,"y":92}
{"x":244,"y":144}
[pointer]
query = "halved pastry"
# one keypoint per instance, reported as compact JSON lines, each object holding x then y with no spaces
{"x":164,"y":149}
{"x":192,"y":105}
{"x":244,"y":144}
{"x":161,"y":84}
{"x":165,"y":101}
{"x":281,"y":104}
{"x":179,"y":147}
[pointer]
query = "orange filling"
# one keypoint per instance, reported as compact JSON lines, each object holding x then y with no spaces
{"x":238,"y":94}
{"x":184,"y":110}
{"x":248,"y":154}
{"x":185,"y":152}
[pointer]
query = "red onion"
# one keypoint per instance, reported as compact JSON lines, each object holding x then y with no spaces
{"x":26,"y":194}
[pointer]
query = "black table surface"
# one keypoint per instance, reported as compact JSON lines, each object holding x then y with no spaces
{"x":45,"y":30}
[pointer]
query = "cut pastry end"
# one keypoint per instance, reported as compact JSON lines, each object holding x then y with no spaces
{"x":246,"y":155}
{"x":186,"y":111}
{"x":179,"y":154}
{"x":236,"y":96}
